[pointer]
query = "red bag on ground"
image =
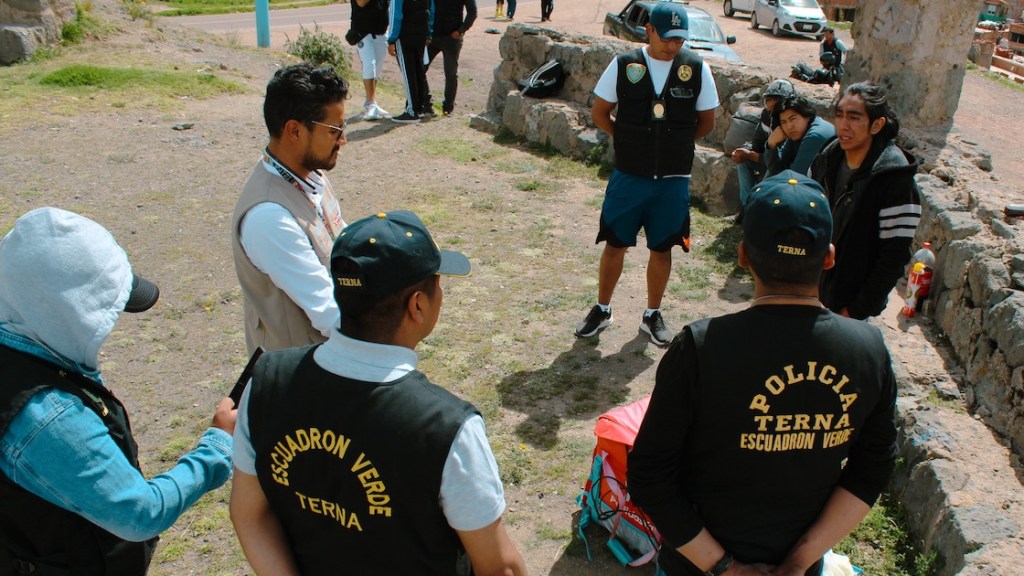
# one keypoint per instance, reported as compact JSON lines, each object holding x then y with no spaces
{"x":605,"y":499}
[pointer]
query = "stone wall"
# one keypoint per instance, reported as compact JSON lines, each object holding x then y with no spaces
{"x":916,"y":49}
{"x":25,"y":25}
{"x":977,"y":302}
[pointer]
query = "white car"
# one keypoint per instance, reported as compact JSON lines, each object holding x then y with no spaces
{"x":798,"y":17}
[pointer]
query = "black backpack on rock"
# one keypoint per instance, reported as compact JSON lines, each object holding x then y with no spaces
{"x":543,"y":82}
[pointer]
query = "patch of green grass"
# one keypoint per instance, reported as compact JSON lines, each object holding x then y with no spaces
{"x":175,"y":447}
{"x":194,"y":7}
{"x":995,"y":77}
{"x":176,"y":84}
{"x":882,"y":545}
{"x":320,"y":47}
{"x":535,"y":185}
{"x":934,"y":399}
{"x":172,"y":549}
{"x":85,"y":25}
{"x":454,"y":148}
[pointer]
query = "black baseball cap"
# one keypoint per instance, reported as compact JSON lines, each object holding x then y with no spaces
{"x":144,"y":295}
{"x":782,"y":202}
{"x":392,"y":251}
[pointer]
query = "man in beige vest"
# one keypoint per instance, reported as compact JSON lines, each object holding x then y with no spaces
{"x":287,"y":217}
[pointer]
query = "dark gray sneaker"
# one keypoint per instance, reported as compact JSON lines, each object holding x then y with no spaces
{"x":405,"y":118}
{"x":595,"y":321}
{"x":654,"y":326}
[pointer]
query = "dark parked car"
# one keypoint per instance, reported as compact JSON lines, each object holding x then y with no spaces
{"x":706,"y":38}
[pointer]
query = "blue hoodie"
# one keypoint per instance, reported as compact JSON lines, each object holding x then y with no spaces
{"x":63,"y":283}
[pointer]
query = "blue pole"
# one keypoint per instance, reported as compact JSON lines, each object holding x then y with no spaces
{"x":263,"y":23}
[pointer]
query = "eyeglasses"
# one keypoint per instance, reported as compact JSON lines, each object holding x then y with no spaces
{"x":336,"y":131}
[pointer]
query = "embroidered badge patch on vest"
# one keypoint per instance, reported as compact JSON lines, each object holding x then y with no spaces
{"x":685,"y":72}
{"x":635,"y":72}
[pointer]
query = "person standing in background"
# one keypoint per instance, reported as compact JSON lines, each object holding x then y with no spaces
{"x":546,"y":8}
{"x":370,"y":17}
{"x":409,"y":31}
{"x":664,"y":99}
{"x":451,"y":21}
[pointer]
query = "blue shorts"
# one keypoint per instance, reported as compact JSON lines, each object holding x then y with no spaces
{"x":660,"y":206}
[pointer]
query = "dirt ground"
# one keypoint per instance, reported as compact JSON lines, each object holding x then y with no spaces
{"x":167,"y":196}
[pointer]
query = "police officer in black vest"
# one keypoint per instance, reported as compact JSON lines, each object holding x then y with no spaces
{"x":351,"y":461}
{"x":666,"y":99}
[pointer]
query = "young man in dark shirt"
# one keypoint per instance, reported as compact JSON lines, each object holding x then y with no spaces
{"x":757,"y":460}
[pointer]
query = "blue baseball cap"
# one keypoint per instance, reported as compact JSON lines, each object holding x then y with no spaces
{"x":670,"y":21}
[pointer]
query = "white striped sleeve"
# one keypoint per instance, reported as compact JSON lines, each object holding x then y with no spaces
{"x":898,"y":221}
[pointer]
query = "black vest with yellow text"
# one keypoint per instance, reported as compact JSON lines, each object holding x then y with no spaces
{"x":645,"y":146}
{"x":352,"y":469}
{"x":44,"y":537}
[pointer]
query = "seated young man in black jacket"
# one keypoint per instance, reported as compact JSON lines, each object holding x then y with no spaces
{"x":757,"y":460}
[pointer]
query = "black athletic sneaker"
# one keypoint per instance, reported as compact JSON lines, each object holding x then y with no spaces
{"x":654,"y":326}
{"x":595,"y":321}
{"x":405,"y":118}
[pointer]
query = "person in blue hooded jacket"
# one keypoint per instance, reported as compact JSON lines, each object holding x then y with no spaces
{"x":74,"y":498}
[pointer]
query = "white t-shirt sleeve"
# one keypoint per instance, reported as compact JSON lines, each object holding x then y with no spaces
{"x":244,"y":457}
{"x":607,"y":84}
{"x":708,"y":97}
{"x":277,"y":246}
{"x":472,"y":496}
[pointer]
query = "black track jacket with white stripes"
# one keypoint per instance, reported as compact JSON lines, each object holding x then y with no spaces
{"x":874,"y":221}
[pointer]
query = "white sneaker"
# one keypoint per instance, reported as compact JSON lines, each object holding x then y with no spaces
{"x":375,"y":112}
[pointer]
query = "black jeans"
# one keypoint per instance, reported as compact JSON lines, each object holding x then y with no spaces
{"x":449,"y":48}
{"x":546,"y":7}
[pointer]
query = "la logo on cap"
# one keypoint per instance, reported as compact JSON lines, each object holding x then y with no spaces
{"x":675,"y":19}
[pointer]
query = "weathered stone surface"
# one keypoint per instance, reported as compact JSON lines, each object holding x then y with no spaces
{"x":18,"y":43}
{"x":710,"y":185}
{"x":958,"y":225}
{"x":916,"y":49}
{"x":989,"y":281}
{"x":1005,"y":325}
{"x":958,"y":256}
{"x":27,"y":24}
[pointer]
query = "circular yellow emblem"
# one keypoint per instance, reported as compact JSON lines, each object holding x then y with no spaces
{"x":659,"y":110}
{"x":685,"y":72}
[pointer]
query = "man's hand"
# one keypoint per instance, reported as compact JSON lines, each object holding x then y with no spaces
{"x":458,"y":35}
{"x":391,"y":50}
{"x":740,"y":155}
{"x":225,"y":416}
{"x":776,"y":137}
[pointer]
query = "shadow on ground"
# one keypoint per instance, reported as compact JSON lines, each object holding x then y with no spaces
{"x":579,"y":383}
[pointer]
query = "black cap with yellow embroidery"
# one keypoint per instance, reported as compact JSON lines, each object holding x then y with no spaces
{"x":782,"y":202}
{"x":391,"y":251}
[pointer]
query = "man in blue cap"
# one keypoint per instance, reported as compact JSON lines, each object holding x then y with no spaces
{"x":665,"y":98}
{"x":351,"y":461}
{"x":758,"y":458}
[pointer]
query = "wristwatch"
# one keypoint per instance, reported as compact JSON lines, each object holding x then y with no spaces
{"x":719,"y":568}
